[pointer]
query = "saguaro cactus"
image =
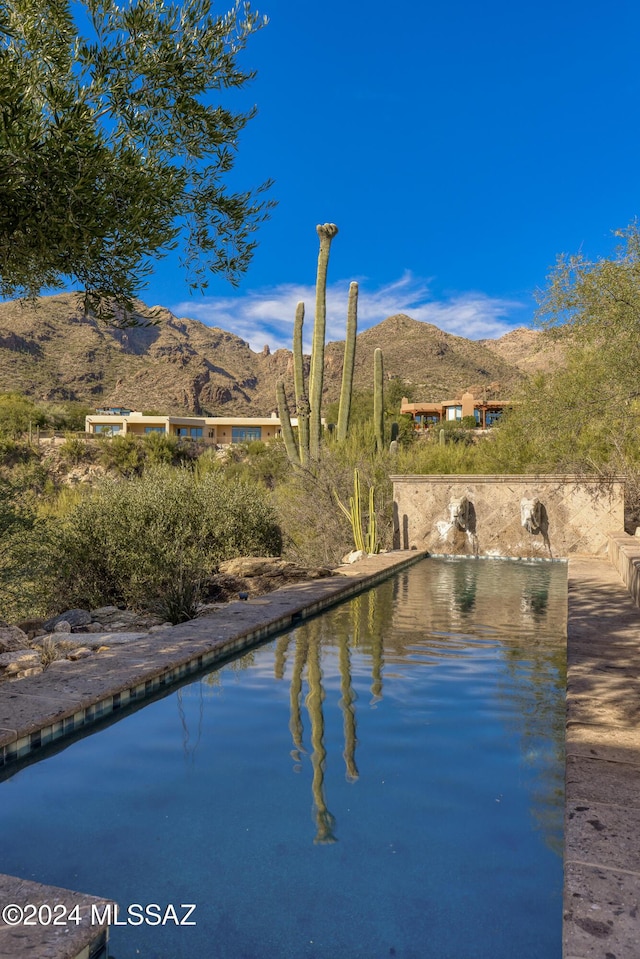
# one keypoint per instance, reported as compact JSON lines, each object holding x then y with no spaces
{"x":302,"y":400}
{"x":326,"y":232}
{"x":348,"y":364}
{"x":285,"y":425}
{"x":378,"y":399}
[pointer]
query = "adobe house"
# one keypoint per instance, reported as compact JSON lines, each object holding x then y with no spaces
{"x":210,"y":430}
{"x":485,"y":411}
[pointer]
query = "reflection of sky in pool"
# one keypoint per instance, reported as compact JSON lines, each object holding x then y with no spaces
{"x":386,"y":780}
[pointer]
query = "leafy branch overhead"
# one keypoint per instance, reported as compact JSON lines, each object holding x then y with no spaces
{"x":113,"y":150}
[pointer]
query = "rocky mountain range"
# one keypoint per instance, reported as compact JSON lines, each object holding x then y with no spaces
{"x":55,"y":351}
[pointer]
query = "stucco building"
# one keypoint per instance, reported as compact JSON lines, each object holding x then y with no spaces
{"x":485,"y":412}
{"x":210,"y":430}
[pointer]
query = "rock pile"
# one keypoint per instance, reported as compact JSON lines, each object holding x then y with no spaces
{"x":27,"y":648}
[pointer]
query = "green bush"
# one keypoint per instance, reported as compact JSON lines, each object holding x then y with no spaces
{"x":23,"y":554}
{"x":151,"y":542}
{"x":122,"y":454}
{"x":160,"y":448}
{"x":74,"y":450}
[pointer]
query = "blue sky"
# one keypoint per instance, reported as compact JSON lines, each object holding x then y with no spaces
{"x":459,"y":146}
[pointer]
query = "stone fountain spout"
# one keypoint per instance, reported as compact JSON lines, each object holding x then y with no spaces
{"x":531,"y":515}
{"x":462,"y":514}
{"x":535,"y":519}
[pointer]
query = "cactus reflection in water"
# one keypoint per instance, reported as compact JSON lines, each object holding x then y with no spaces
{"x":325,"y":822}
{"x":295,"y":695}
{"x":307,"y":655}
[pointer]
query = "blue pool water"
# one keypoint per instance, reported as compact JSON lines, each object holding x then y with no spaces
{"x":386,"y":780}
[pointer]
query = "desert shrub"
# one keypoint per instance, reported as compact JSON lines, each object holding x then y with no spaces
{"x":430,"y":456}
{"x":152,"y":541}
{"x":160,"y":448}
{"x":24,"y":554}
{"x":122,"y":454}
{"x":74,"y":450}
{"x":315,"y":531}
{"x":13,"y":451}
{"x":258,"y":462}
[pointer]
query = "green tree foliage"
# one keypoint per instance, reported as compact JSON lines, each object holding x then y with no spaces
{"x":585,"y":416}
{"x":23,"y":553}
{"x":18,"y":415}
{"x":152,"y":541}
{"x":111,"y":144}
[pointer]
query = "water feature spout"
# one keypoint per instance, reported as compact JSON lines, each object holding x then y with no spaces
{"x":461,"y":519}
{"x":461,"y":512}
{"x":535,"y":519}
{"x":531,"y":515}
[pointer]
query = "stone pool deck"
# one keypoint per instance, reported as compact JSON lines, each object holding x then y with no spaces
{"x":602,"y":862}
{"x":602,"y":803}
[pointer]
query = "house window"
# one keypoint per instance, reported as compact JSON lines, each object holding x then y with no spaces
{"x":245,"y":434}
{"x":107,"y":428}
{"x":454,"y":412}
{"x":492,"y":417}
{"x":195,"y":432}
{"x":154,"y":429}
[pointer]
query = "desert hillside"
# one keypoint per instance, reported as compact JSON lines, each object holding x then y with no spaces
{"x":56,"y":351}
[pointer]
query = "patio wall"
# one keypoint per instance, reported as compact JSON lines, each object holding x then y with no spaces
{"x":575,"y":516}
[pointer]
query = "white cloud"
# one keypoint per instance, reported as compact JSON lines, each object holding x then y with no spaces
{"x":265,"y":316}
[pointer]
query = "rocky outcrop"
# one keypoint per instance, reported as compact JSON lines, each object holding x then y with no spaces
{"x":256,"y":575}
{"x":12,"y":638}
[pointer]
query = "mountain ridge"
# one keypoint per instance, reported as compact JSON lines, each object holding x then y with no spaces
{"x":55,"y":351}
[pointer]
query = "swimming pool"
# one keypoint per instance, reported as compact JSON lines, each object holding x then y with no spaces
{"x":385,"y":780}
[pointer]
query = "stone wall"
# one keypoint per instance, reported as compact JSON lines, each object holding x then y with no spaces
{"x":528,"y":516}
{"x":624,"y":553}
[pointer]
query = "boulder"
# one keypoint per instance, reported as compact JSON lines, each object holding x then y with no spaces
{"x":113,"y":619}
{"x":75,"y":617}
{"x":247,"y":566}
{"x":32,"y":627}
{"x":105,"y":614}
{"x":256,"y":575}
{"x":16,"y":662}
{"x":354,"y":556}
{"x":12,"y":638}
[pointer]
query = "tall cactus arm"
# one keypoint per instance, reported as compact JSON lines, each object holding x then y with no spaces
{"x":326,"y":232}
{"x":302,"y":400}
{"x":348,"y":365}
{"x":285,"y":425}
{"x":378,"y":399}
{"x":298,"y":361}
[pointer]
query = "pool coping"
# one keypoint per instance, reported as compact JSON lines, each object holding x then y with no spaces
{"x":602,"y":799}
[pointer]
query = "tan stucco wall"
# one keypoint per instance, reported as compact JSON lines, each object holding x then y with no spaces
{"x":578,"y":515}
